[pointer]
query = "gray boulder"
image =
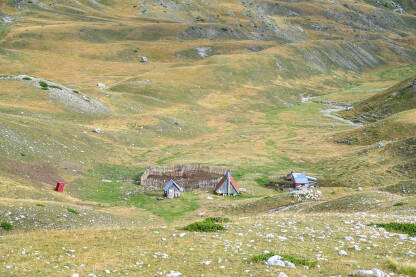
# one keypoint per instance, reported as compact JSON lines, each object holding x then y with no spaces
{"x":373,"y":272}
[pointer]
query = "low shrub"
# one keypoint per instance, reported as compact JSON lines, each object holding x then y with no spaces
{"x":404,"y":228}
{"x":56,"y":87}
{"x":204,"y":226}
{"x":217,"y":219}
{"x":288,"y":258}
{"x":399,"y":204}
{"x":27,"y":78}
{"x":40,"y":205}
{"x":72,"y":211}
{"x":75,"y":91}
{"x":6,"y":226}
{"x":43,"y":84}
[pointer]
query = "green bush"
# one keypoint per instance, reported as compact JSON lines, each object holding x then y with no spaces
{"x":75,"y":91}
{"x":399,"y":204}
{"x":56,"y":87}
{"x":43,"y":84}
{"x":204,"y":226}
{"x":404,"y":228}
{"x":6,"y":226}
{"x":40,"y":205}
{"x":72,"y":211}
{"x":288,"y":258}
{"x":27,"y":78}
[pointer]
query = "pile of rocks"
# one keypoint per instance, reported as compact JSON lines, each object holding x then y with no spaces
{"x":306,"y":194}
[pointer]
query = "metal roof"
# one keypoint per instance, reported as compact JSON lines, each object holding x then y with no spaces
{"x":228,"y":177}
{"x":300,"y":178}
{"x":171,"y":182}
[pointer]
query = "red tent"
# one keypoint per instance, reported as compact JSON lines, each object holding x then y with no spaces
{"x":60,"y":187}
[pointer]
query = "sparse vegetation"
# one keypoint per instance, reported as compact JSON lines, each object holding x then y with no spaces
{"x":43,"y":84}
{"x":217,"y":219}
{"x":285,"y":257}
{"x":404,"y":228}
{"x":72,"y":211}
{"x":6,"y":226}
{"x":27,"y":78}
{"x":399,"y":204}
{"x":56,"y":87}
{"x":402,"y":267}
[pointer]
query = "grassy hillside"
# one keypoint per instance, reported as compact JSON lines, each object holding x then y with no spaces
{"x":398,"y":98}
{"x":254,"y":86}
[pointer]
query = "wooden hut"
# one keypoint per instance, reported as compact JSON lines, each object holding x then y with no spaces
{"x":172,"y":190}
{"x":299,"y":179}
{"x":227,"y":185}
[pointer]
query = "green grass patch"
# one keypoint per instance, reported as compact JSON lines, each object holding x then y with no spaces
{"x":402,"y":268}
{"x":398,"y":204}
{"x":40,"y":205}
{"x":27,"y":78}
{"x":56,"y":87}
{"x":204,"y":226}
{"x":72,"y":211}
{"x":6,"y":226}
{"x":168,"y":209}
{"x":285,"y":257}
{"x":398,"y":73}
{"x":43,"y":84}
{"x":404,"y":228}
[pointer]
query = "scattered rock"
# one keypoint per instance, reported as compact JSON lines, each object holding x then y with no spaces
{"x":342,"y":253}
{"x":75,"y":275}
{"x":209,"y":198}
{"x":204,"y":52}
{"x":173,"y":274}
{"x":7,"y":19}
{"x":380,"y":144}
{"x":282,"y":274}
{"x":97,"y":130}
{"x":101,"y":86}
{"x":206,"y":262}
{"x":275,"y":260}
{"x":144,"y":59}
{"x":373,"y":272}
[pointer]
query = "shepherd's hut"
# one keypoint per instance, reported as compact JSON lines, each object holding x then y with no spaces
{"x":172,"y":190}
{"x":227,"y":185}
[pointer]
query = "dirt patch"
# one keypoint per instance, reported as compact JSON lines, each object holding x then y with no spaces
{"x":37,"y":173}
{"x":190,"y":177}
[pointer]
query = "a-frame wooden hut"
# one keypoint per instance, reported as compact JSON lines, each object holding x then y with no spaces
{"x":172,"y":190}
{"x":227,"y":185}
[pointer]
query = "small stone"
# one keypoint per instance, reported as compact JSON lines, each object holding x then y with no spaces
{"x":101,"y":86}
{"x":144,"y":59}
{"x":342,"y":253}
{"x":75,"y":275}
{"x":282,"y":274}
{"x":275,"y":260}
{"x":173,"y":274}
